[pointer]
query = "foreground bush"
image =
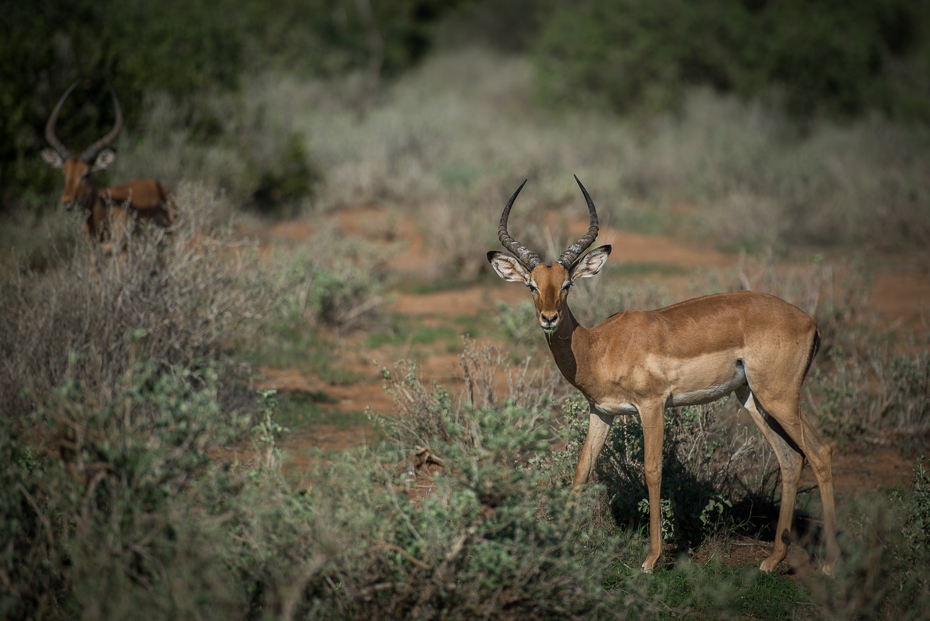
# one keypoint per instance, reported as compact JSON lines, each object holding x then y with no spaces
{"x":155,"y":506}
{"x":98,"y":514}
{"x":122,"y":513}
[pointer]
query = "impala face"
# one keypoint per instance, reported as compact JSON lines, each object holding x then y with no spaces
{"x":80,"y":188}
{"x":549,"y":284}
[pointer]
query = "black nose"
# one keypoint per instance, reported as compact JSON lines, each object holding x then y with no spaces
{"x":547,"y":319}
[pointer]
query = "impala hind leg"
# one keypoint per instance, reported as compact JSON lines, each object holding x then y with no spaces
{"x":790,"y":460}
{"x":806,"y":439}
{"x":820,"y":456}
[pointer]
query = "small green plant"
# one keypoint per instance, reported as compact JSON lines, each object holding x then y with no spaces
{"x":267,"y":429}
{"x":718,"y":505}
{"x":666,"y":517}
{"x":917,"y":528}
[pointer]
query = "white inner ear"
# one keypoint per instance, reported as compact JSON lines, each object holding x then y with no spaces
{"x":509,"y":268}
{"x":104,"y":159}
{"x":52,"y":158}
{"x":591,"y":263}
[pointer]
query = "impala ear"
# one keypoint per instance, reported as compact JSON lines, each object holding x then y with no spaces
{"x":52,"y":158}
{"x":590,"y":264}
{"x":104,"y":159}
{"x":508,"y":267}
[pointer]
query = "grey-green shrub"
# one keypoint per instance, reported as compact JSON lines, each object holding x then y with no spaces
{"x":173,"y":298}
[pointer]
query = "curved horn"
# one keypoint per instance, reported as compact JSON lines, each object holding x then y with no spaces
{"x":50,"y":135}
{"x":526,"y":256}
{"x":91,"y":152}
{"x":568,"y":258}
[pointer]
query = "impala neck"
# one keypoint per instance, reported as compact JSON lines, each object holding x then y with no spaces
{"x":565,"y":345}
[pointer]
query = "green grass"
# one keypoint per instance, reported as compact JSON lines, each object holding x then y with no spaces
{"x":410,"y":332}
{"x":283,"y":345}
{"x":300,"y":408}
{"x":717,"y":591}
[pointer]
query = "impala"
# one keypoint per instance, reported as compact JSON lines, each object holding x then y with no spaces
{"x":142,"y":198}
{"x":694,"y":352}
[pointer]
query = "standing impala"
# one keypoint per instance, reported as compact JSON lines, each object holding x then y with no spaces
{"x":693,"y":352}
{"x":143,"y":198}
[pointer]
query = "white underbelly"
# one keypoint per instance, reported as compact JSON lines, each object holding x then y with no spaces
{"x":692,"y":397}
{"x":711,"y":393}
{"x":616,"y":409}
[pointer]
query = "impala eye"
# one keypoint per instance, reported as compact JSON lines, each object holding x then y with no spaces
{"x":532,"y":288}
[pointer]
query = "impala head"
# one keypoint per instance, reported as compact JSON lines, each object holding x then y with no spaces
{"x":80,"y":188}
{"x":549,"y":284}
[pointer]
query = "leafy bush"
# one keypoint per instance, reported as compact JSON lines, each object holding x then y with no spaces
{"x":285,"y":182}
{"x":99,"y":522}
{"x":427,"y":415}
{"x":512,"y":547}
{"x":838,"y":58}
{"x":338,"y":287}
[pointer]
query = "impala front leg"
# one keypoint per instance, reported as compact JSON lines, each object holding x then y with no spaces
{"x":653,"y":436}
{"x":598,"y":429}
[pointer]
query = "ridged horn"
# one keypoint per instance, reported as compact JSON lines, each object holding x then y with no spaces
{"x":526,"y":256}
{"x":51,"y":136}
{"x":568,"y":258}
{"x":91,"y":152}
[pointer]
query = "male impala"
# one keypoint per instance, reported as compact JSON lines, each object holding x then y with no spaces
{"x":693,"y":352}
{"x":144,"y":198}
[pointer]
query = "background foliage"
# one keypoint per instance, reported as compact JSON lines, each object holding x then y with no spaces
{"x":180,"y":48}
{"x":834,"y":58}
